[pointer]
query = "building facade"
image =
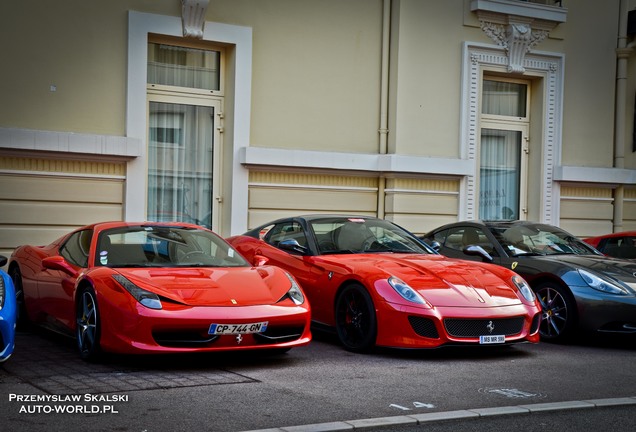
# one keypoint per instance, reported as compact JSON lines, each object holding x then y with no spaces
{"x":230,"y":113}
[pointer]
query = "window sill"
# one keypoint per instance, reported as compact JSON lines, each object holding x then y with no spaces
{"x":517,"y":8}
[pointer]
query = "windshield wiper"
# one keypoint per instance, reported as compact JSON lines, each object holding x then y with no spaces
{"x":528,"y":254}
{"x":404,"y":251}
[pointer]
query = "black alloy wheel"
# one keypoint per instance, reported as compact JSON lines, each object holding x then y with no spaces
{"x":88,"y":324}
{"x":558,"y":312}
{"x":356,"y":322}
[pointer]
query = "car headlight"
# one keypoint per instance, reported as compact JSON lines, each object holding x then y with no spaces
{"x":524,"y":288}
{"x":602,"y":285}
{"x":406,"y":291}
{"x":294,"y":293}
{"x":146,"y":298}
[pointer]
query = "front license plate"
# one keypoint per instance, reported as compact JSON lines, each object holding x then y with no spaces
{"x":495,"y":339}
{"x":225,"y":329}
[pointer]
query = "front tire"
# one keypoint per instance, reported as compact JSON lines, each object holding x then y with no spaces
{"x":559,"y":312}
{"x":356,"y":322}
{"x":88,"y":325}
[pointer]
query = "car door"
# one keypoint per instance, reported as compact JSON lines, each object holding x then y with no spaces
{"x":455,"y":239}
{"x":295,"y":261}
{"x":56,"y":287}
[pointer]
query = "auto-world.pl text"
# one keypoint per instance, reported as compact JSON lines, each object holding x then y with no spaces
{"x":67,"y":404}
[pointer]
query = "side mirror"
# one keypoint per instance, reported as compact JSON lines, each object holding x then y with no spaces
{"x":259,"y":260}
{"x":436,"y":246}
{"x":3,"y":260}
{"x":291,"y":245}
{"x":474,"y":250}
{"x":58,"y":263}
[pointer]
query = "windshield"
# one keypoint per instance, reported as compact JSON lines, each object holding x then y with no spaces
{"x":164,"y":246}
{"x":358,"y":235}
{"x":539,"y":239}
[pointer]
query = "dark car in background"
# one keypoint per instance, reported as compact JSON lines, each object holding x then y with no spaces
{"x":579,"y":288}
{"x":617,"y":245}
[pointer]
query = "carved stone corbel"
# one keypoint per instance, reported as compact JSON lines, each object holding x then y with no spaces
{"x":193,"y":17}
{"x":517,"y":37}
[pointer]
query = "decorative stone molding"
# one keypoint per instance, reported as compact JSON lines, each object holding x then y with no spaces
{"x":545,"y":66}
{"x":517,"y":26}
{"x":193,"y":17}
{"x":517,"y":38}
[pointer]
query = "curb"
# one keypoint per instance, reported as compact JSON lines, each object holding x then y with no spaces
{"x":420,"y":419}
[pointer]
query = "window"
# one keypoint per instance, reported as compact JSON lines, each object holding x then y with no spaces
{"x":286,"y":231}
{"x":504,"y":98}
{"x":460,"y":237}
{"x":182,"y":162}
{"x":503,"y":152}
{"x":179,"y":66}
{"x":75,"y":250}
{"x":185,"y":87}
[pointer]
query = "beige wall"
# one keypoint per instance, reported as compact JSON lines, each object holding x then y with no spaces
{"x":586,"y":211}
{"x":315,"y":76}
{"x":276,"y":195}
{"x":421,"y":205}
{"x":75,"y":45}
{"x":316,"y":71}
{"x":629,"y":210}
{"x":42,"y":199}
{"x":588,"y":112}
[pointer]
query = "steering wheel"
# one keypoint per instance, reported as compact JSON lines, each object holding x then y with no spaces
{"x":203,"y":258}
{"x":368,"y":243}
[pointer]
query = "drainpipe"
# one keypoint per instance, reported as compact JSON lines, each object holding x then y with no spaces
{"x":623,"y":51}
{"x":384,"y":100}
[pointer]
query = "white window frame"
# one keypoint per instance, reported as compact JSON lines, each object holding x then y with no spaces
{"x":236,"y":121}
{"x":478,"y":59}
{"x":510,"y":123}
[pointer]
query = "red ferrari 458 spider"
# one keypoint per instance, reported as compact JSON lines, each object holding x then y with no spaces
{"x":378,"y":285}
{"x":155,"y":288}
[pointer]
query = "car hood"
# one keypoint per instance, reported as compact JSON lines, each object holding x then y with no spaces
{"x":617,"y":268}
{"x":441,"y":281}
{"x":204,"y":286}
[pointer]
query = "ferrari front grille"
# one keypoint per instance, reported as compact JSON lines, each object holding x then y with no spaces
{"x":183,"y":338}
{"x":471,"y":328}
{"x":424,"y":327}
{"x":279,"y":334}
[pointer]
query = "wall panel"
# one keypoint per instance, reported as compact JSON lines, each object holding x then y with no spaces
{"x":275,"y":195}
{"x":42,"y":199}
{"x":586,"y":211}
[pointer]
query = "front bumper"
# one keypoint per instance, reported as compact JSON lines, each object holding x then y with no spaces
{"x":600,"y":312}
{"x":402,"y":326}
{"x":136,"y":329}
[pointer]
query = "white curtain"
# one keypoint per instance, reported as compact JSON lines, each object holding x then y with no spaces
{"x":500,"y":152}
{"x":499,"y":174}
{"x":180,"y":163}
{"x":504,"y":98}
{"x":183,"y":67}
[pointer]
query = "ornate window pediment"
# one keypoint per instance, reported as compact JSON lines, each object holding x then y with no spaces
{"x":518,"y":25}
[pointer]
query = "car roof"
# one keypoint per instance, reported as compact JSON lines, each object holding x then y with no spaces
{"x":121,"y":224}
{"x":317,"y":216}
{"x":504,"y":224}
{"x":617,"y":234}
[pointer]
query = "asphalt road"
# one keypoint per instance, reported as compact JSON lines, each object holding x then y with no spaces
{"x":45,"y":387}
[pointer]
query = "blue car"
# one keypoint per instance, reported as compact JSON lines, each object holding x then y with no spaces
{"x":7,"y":313}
